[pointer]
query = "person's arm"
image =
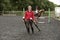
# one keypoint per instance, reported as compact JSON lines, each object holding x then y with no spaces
{"x":24,"y":16}
{"x":33,"y":16}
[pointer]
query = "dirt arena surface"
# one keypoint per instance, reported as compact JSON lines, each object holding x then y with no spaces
{"x":13,"y":28}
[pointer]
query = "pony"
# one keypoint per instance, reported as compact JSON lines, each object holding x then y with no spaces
{"x":40,"y":12}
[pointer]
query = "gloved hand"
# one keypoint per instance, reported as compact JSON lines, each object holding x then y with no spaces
{"x":23,"y":18}
{"x":30,"y":18}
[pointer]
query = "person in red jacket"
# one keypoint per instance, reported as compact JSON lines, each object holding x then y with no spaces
{"x":29,"y":19}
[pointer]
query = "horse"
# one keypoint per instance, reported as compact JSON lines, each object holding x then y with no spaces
{"x":39,"y":14}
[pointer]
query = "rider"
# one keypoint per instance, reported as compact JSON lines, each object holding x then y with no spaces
{"x":36,"y":14}
{"x":36,"y":11}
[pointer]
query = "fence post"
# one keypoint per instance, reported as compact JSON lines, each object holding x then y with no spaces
{"x":23,"y":11}
{"x":49,"y":16}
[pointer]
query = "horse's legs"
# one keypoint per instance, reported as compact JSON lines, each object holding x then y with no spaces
{"x":36,"y":19}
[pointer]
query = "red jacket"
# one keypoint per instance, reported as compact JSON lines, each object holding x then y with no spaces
{"x":29,"y":15}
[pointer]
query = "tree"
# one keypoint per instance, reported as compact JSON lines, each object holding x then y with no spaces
{"x":20,"y":4}
{"x":1,"y":5}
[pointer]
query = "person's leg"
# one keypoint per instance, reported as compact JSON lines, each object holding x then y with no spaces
{"x":27,"y":26}
{"x":31,"y":26}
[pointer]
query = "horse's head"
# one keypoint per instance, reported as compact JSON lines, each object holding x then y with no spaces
{"x":40,"y":12}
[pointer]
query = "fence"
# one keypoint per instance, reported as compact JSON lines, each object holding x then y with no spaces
{"x":16,"y":13}
{"x":20,"y":13}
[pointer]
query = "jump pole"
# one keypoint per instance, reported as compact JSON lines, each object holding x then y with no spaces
{"x":23,"y":11}
{"x":49,"y":16}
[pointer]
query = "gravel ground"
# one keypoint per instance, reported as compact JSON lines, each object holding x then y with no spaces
{"x":13,"y":28}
